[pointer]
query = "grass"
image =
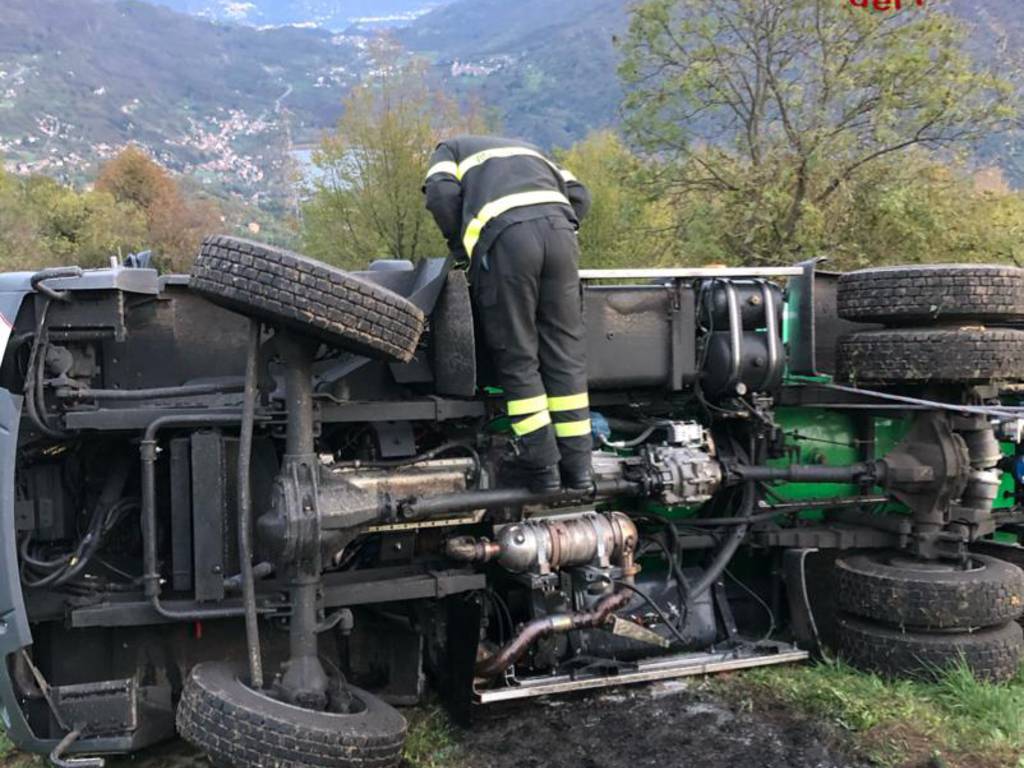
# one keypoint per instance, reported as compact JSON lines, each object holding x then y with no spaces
{"x":431,"y":743}
{"x":9,"y":757}
{"x":954,"y":722}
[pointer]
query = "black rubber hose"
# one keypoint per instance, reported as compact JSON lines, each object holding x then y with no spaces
{"x":151,"y":570}
{"x":245,"y":548}
{"x":33,"y":379}
{"x":729,"y":547}
{"x":186,"y":390}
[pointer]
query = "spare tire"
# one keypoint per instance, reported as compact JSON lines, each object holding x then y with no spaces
{"x":240,"y":727}
{"x":928,"y":293}
{"x":955,"y":355}
{"x":992,"y":654}
{"x":286,"y":289}
{"x":894,"y":589}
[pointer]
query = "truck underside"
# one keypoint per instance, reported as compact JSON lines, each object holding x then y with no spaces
{"x":274,"y":490}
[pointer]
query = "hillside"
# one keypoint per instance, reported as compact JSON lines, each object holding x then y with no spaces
{"x":548,"y":68}
{"x":227,"y":101}
{"x":79,"y":78}
{"x":335,"y":15}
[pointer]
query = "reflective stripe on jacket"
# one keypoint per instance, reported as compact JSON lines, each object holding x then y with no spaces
{"x":477,"y":185}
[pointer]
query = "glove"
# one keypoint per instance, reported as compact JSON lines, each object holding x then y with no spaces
{"x":460,"y":259}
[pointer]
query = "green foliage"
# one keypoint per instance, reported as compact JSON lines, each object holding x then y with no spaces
{"x":367,"y":203}
{"x":43,"y":223}
{"x":135,"y":205}
{"x":625,"y":226}
{"x":956,"y":721}
{"x":430,"y":742}
{"x":770,"y":115}
{"x":175,"y":224}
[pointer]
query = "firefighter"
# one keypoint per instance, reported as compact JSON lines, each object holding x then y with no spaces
{"x":511,"y":214}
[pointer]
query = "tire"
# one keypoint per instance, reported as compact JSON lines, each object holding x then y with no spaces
{"x":242,"y":728}
{"x":1011,"y":553}
{"x":284,"y":288}
{"x":964,"y":355}
{"x":890,"y":588}
{"x":929,"y":293}
{"x":454,"y":339}
{"x":992,"y":654}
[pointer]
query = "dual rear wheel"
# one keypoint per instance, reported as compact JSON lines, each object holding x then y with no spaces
{"x":907,"y":617}
{"x":944,"y":324}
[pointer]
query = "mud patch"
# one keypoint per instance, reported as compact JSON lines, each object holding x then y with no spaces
{"x":660,"y":726}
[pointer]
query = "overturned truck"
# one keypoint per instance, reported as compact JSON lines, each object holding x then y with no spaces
{"x":257,"y":506}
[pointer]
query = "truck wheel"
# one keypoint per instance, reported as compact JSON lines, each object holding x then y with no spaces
{"x":992,"y":654}
{"x":454,"y":339}
{"x":894,"y":589}
{"x":926,"y":293}
{"x":954,"y":355}
{"x":287,"y":289}
{"x":239,"y":727}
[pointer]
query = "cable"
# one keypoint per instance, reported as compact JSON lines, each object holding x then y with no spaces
{"x":33,"y":388}
{"x":657,"y":609}
{"x":760,"y":600}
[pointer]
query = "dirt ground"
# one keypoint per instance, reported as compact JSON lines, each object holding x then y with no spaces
{"x":663,"y":725}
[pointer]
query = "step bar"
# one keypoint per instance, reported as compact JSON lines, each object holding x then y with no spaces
{"x":647,"y":671}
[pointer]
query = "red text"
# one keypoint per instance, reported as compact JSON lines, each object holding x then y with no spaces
{"x":886,"y":5}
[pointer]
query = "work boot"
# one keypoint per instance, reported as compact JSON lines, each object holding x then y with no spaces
{"x":577,"y":478}
{"x":515,"y":474}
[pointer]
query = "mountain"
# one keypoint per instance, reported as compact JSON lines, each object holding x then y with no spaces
{"x":227,"y":102}
{"x":549,"y":69}
{"x":335,"y":15}
{"x":80,"y":78}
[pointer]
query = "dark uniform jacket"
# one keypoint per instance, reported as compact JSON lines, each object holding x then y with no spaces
{"x":478,"y":185}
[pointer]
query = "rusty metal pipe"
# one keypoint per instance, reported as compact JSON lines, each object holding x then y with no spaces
{"x":549,"y":625}
{"x":466,"y":549}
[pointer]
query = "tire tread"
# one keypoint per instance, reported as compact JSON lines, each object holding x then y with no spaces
{"x":286,"y":288}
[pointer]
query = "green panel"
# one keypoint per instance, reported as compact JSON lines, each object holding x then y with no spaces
{"x":828,"y":437}
{"x":1008,"y":487}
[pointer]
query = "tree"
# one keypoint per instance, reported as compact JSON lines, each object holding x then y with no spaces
{"x":626,"y":227}
{"x":19,"y":242}
{"x":767,"y":112}
{"x":43,"y":223}
{"x":82,"y":228}
{"x":176,"y":224}
{"x":367,"y":203}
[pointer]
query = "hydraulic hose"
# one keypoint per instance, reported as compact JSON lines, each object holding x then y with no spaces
{"x":155,"y":393}
{"x":245,"y":548}
{"x":151,"y":571}
{"x":728,"y":548}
